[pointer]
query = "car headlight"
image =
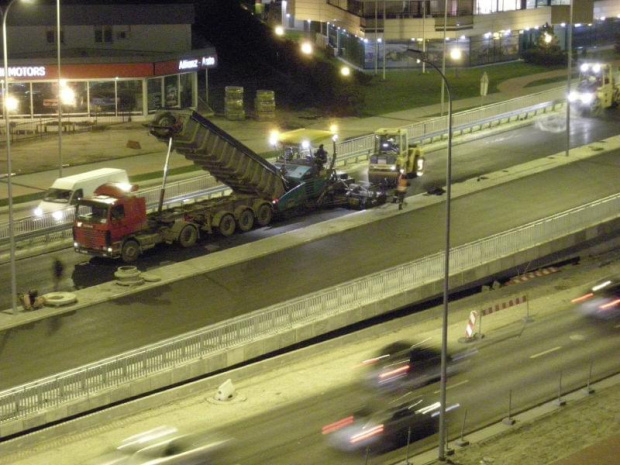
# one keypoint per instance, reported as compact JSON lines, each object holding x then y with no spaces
{"x":58,"y":215}
{"x":573,"y":96}
{"x":587,"y":98}
{"x":393,"y":168}
{"x":38,"y":212}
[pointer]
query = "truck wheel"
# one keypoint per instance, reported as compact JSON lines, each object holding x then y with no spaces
{"x":227,"y":225}
{"x":246,"y":220}
{"x":130,"y":252}
{"x":188,"y":236}
{"x":264,"y":214}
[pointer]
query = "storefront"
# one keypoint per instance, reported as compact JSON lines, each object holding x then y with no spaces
{"x":114,"y":89}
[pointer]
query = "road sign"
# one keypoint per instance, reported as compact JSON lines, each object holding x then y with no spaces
{"x":484,"y":84}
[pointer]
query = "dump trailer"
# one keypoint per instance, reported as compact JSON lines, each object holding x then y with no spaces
{"x":597,"y":90}
{"x":115,"y":223}
{"x":392,"y":154}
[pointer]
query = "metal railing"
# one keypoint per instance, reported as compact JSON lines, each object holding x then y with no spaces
{"x":350,"y":151}
{"x":85,"y":381}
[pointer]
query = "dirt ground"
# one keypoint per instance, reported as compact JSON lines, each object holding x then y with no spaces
{"x":568,"y":429}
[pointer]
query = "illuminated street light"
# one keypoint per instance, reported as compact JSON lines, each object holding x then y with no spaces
{"x":59,"y":96}
{"x":5,"y":100}
{"x":446,"y":276}
{"x":345,"y":71}
{"x":12,"y":104}
{"x":456,"y":54}
{"x":67,"y":95}
{"x":306,"y":48}
{"x":279,"y":31}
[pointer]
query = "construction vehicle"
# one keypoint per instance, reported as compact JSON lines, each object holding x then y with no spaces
{"x":392,"y":154}
{"x":598,"y":88}
{"x":115,"y":222}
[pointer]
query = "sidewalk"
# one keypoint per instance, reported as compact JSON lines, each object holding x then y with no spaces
{"x":35,"y":163}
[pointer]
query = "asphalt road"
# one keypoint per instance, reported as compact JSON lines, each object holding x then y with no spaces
{"x":143,"y":318}
{"x":510,"y":361}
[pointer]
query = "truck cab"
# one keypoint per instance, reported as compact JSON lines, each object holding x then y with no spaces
{"x":598,"y":89}
{"x":104,"y":221}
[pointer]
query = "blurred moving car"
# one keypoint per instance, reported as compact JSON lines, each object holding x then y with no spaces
{"x":384,"y":428}
{"x":166,"y":445}
{"x":601,"y":300}
{"x":403,"y":365}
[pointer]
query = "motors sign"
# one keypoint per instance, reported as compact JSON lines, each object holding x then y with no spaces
{"x":24,"y":71}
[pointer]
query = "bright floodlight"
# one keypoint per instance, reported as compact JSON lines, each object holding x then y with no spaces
{"x":456,"y":54}
{"x":333,"y":128}
{"x":67,"y":96}
{"x":547,"y":38}
{"x":279,"y":31}
{"x":274,"y":137}
{"x":345,"y":71}
{"x":11,"y":103}
{"x":306,"y":48}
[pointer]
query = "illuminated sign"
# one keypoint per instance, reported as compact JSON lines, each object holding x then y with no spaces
{"x":25,"y":71}
{"x":188,"y":64}
{"x":197,"y":63}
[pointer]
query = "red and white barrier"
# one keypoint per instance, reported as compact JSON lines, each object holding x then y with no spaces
{"x":470,"y":331}
{"x":512,"y":302}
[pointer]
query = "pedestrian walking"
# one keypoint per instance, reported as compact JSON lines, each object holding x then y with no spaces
{"x":58,"y":271}
{"x":401,"y":188}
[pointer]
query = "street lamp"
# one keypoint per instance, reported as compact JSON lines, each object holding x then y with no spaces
{"x":5,"y":102}
{"x":59,"y":96}
{"x":446,"y":276}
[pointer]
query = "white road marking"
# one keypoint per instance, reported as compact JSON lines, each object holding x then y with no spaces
{"x":617,"y":326}
{"x":545,"y":352}
{"x":453,"y":385}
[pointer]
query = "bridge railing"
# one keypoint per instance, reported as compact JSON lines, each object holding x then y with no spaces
{"x":28,"y":399}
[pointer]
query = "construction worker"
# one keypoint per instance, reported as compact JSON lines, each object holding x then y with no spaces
{"x":320,"y":157}
{"x":401,"y":188}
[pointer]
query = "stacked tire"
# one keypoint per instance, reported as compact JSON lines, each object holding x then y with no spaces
{"x":233,"y":103}
{"x":265,"y":105}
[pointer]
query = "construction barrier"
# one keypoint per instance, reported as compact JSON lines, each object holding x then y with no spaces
{"x":470,"y":331}
{"x":476,"y":317}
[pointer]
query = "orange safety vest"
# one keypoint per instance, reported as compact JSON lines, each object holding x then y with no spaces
{"x":402,"y":183}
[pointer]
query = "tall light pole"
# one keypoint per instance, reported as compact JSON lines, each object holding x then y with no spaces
{"x":568,"y":75}
{"x":59,"y":96}
{"x":443,"y":54}
{"x":446,"y":275}
{"x":8,"y":156}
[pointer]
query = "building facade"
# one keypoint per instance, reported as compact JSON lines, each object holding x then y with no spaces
{"x":372,"y":33}
{"x":115,"y":59}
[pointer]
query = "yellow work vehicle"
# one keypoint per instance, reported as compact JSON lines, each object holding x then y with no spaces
{"x":598,"y":88}
{"x":392,"y":154}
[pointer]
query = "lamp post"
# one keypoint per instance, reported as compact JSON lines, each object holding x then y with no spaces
{"x":59,"y":96}
{"x":5,"y":13}
{"x":446,"y":276}
{"x":568,"y":75}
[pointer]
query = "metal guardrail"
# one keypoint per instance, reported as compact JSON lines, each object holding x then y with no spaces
{"x":350,"y":151}
{"x":28,"y":399}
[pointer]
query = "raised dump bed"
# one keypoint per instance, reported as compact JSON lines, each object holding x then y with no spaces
{"x":219,"y":153}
